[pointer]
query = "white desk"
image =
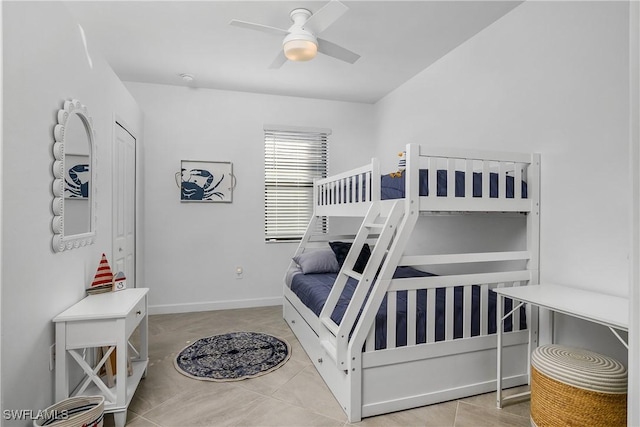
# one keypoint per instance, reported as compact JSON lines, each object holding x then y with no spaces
{"x":606,"y":310}
{"x":104,"y":320}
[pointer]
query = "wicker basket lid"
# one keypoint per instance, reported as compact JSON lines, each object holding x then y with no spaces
{"x":580,"y":368}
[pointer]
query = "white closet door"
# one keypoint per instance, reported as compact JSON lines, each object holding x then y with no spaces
{"x":124,"y":204}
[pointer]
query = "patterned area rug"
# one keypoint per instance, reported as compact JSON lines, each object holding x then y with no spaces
{"x":232,"y":357}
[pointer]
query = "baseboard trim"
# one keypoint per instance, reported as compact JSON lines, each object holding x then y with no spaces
{"x":213,"y":305}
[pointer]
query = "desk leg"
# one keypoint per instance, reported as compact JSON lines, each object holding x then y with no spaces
{"x":499,"y":328}
{"x":553,"y":326}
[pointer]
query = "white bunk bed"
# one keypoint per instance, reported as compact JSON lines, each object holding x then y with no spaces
{"x":368,"y":378}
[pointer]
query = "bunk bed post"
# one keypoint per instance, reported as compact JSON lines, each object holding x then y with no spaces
{"x":533,"y":243}
{"x":354,"y":413}
{"x":375,"y":180}
{"x":412,"y":191}
{"x":533,"y":246}
{"x":533,"y":266}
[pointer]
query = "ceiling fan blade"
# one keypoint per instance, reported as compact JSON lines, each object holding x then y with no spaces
{"x":279,"y":61}
{"x":259,"y":27}
{"x":338,"y":52}
{"x":327,"y":15}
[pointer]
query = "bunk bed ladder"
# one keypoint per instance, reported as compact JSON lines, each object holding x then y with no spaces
{"x":335,"y":338}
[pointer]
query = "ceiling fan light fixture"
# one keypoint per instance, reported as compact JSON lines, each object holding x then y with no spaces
{"x":300,"y":47}
{"x":300,"y":50}
{"x":300,"y":39}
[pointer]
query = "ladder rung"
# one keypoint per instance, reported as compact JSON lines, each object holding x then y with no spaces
{"x":353,"y":274}
{"x":330,"y":324}
{"x":374,"y":225}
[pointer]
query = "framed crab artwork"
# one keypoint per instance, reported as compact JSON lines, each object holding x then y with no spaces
{"x":203,"y":181}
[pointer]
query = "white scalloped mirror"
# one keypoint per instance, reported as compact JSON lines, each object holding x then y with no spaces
{"x":73,"y":178}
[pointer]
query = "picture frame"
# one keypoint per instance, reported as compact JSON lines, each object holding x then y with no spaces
{"x":206,"y":181}
{"x":77,"y":176}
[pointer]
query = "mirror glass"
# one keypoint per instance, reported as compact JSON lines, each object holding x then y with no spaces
{"x":77,"y":177}
{"x":74,"y":178}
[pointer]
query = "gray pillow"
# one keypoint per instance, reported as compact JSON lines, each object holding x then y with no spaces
{"x":318,"y":261}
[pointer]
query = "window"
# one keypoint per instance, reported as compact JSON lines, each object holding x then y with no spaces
{"x":293,"y":158}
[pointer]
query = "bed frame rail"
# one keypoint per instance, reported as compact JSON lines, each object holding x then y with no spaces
{"x":502,"y":166}
{"x":430,"y":284}
{"x":465,"y":283}
{"x":351,"y":191}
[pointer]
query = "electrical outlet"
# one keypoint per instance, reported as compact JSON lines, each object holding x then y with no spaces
{"x":52,"y":357}
{"x":239,"y":272}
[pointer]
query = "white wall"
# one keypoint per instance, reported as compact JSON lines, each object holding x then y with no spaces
{"x":1,"y":222}
{"x":192,"y":249}
{"x":44,"y":63}
{"x":549,"y":77}
{"x":633,"y":414}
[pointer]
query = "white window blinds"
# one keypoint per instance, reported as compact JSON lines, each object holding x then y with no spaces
{"x":292,"y":160}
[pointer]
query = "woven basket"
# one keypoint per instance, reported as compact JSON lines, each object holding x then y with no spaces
{"x":575,"y":387}
{"x":81,"y":411}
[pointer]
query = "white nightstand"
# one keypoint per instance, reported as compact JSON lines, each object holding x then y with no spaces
{"x":104,"y":320}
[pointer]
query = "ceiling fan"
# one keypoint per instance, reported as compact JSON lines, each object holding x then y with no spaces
{"x":301,"y":42}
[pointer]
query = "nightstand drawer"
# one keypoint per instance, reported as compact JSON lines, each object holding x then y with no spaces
{"x":135,"y":316}
{"x":92,"y":333}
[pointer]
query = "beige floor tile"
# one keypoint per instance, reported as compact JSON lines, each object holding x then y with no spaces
{"x":141,"y":422}
{"x":441,"y":415}
{"x":271,"y":382}
{"x":222,"y":404}
{"x":162,"y":382}
{"x":108,"y":419}
{"x":308,"y":390}
{"x":519,"y":407}
{"x":294,"y":395}
{"x":281,"y":414}
{"x":469,"y":415}
{"x":297,"y":351}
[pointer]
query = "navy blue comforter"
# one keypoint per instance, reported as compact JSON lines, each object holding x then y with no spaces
{"x":393,"y":187}
{"x":313,"y":290}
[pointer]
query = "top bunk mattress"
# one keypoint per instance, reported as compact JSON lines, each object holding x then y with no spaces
{"x":393,"y":185}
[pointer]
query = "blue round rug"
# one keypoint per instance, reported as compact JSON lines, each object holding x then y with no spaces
{"x":232,"y":357}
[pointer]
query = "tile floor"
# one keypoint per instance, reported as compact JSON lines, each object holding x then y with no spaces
{"x":293,"y":395}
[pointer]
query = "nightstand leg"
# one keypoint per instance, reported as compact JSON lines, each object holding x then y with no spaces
{"x":62,"y":363}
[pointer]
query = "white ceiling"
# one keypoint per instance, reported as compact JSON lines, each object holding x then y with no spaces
{"x":156,"y":41}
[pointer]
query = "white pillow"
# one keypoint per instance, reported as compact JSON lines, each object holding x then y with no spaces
{"x":318,"y":261}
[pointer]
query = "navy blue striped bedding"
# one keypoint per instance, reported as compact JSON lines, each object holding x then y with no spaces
{"x":313,"y":291}
{"x":392,"y":187}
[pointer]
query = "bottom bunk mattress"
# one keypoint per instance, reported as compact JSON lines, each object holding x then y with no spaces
{"x":313,"y":291}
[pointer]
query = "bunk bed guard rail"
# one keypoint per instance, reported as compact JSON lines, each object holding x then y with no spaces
{"x":443,"y":180}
